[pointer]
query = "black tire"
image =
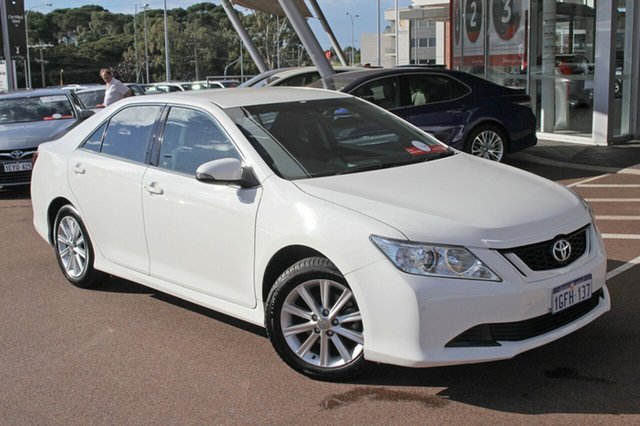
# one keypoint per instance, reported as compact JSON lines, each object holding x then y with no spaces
{"x":487,"y":141}
{"x":73,"y":248}
{"x":328,"y":340}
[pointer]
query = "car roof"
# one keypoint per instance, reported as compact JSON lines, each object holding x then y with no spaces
{"x":231,"y":98}
{"x":91,"y":89}
{"x":23,"y":93}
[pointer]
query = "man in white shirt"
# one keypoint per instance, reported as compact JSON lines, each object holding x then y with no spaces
{"x":115,"y":89}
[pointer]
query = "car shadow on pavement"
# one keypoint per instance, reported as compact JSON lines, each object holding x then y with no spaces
{"x":592,"y":371}
{"x":114,"y":284}
{"x":15,"y":193}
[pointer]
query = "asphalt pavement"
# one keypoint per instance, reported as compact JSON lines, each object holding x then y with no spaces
{"x":605,"y":159}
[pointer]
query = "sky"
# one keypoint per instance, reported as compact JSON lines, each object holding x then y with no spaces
{"x":335,"y":11}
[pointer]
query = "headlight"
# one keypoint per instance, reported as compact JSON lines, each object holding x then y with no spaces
{"x":432,"y":260}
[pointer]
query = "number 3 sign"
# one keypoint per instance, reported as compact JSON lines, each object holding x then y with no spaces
{"x":506,"y":17}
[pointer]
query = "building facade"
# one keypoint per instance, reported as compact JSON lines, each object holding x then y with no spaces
{"x":578,"y":59}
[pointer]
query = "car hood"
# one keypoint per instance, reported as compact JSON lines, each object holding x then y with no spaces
{"x":30,"y":135}
{"x":459,"y":200}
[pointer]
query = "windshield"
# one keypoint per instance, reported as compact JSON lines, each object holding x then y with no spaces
{"x":329,"y":137}
{"x":92,"y":99}
{"x":35,"y":108}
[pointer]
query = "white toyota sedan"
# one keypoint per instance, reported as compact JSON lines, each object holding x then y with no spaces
{"x":349,"y":234}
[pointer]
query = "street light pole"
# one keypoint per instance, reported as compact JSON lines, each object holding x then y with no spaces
{"x":166,"y":45}
{"x":26,"y":33}
{"x":135,"y":41}
{"x":352,"y":37}
{"x":146,"y":46}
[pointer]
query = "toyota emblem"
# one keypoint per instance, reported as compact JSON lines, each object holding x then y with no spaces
{"x":17,"y":154}
{"x":561,"y":250}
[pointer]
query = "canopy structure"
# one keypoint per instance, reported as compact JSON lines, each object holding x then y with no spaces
{"x":272,"y":6}
{"x":297,"y":12}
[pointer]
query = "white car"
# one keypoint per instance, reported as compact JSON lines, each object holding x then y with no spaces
{"x":349,"y":234}
{"x":290,"y":77}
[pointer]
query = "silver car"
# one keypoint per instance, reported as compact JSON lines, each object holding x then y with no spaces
{"x":28,"y":118}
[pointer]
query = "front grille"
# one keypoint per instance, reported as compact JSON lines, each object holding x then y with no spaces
{"x":539,"y":256}
{"x":14,"y":177}
{"x":490,"y":334}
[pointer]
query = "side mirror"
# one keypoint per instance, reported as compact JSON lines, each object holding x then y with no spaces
{"x":227,"y":171}
{"x":85,"y":113}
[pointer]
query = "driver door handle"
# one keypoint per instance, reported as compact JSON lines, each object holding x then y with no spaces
{"x":153,"y":189}
{"x":78,"y":169}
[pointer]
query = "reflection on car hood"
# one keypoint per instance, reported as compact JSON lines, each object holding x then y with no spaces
{"x":30,"y":135}
{"x":460,"y":200}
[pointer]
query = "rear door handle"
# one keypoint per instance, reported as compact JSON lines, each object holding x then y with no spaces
{"x":153,"y":189}
{"x":78,"y":169}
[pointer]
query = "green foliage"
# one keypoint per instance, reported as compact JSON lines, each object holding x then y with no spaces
{"x":202,"y":42}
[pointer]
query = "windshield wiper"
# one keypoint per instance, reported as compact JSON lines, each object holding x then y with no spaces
{"x":376,"y":165}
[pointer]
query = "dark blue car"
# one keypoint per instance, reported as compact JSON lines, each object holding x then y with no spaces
{"x":461,"y":110}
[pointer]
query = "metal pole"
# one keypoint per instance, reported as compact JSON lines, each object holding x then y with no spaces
{"x":310,"y":42}
{"x":378,"y":43}
{"x":7,"y":44}
{"x":26,"y":33}
{"x":135,"y":41}
{"x":166,"y":45}
{"x":242,"y":32}
{"x":146,"y":46}
{"x":397,"y":26}
{"x":42,"y":66}
{"x":327,"y":29}
{"x":353,"y":43}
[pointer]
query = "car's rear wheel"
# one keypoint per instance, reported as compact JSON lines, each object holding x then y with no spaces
{"x":73,"y":248}
{"x":314,"y":321}
{"x":487,"y":141}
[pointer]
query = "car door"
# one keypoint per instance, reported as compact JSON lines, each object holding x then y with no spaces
{"x":200,"y":235}
{"x":105,"y":175}
{"x":435,"y":103}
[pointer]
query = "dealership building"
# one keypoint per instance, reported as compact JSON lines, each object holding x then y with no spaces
{"x":577,"y":59}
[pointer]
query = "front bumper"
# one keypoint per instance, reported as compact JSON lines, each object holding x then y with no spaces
{"x":410,"y":320}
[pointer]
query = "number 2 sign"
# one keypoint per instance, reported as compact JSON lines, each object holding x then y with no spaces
{"x":473,"y":19}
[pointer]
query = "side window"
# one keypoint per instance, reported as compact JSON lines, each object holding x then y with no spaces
{"x":129,"y":132}
{"x":190,"y":139}
{"x":383,"y":92}
{"x":95,"y":140}
{"x":430,"y":88}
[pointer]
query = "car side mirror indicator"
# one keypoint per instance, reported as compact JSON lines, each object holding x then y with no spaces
{"x":226,"y":171}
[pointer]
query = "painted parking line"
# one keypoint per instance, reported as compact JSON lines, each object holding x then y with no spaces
{"x":620,"y":269}
{"x":612,"y":200}
{"x":621,"y":236}
{"x":605,"y":217}
{"x":608,"y":185}
{"x":584,"y":181}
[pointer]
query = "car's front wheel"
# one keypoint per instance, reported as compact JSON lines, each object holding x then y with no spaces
{"x":487,"y":141}
{"x":73,"y":248}
{"x":314,"y":322}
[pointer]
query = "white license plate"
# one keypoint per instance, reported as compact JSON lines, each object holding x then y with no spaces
{"x":570,"y":294}
{"x":18,"y":166}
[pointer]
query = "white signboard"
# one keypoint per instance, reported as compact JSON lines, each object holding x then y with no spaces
{"x":4,"y":80}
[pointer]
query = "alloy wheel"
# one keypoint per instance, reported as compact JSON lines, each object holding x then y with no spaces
{"x":322,"y":324}
{"x":71,"y":246}
{"x":488,"y":144}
